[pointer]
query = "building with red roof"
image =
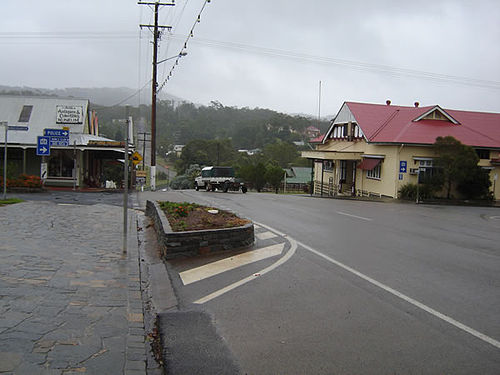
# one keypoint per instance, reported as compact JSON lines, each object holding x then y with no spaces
{"x":374,"y":149}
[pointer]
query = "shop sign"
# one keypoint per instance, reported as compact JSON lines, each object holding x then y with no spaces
{"x":69,"y":114}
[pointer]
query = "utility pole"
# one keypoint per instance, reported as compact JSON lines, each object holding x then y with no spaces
{"x":156,"y":36}
{"x":125,"y":187}
{"x":144,"y":140}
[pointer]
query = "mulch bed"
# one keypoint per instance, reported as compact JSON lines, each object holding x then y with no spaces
{"x":190,"y":216}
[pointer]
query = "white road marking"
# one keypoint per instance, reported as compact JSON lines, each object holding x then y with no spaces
{"x":273,"y":266}
{"x":265,"y":235}
{"x":410,"y":300}
{"x":355,"y":216}
{"x":256,"y":226}
{"x":227,"y":264}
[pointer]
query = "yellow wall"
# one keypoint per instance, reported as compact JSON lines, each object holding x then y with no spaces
{"x":389,"y":183}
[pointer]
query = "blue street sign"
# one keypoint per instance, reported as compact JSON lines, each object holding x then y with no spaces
{"x":402,"y":166}
{"x":59,"y":141}
{"x":400,"y":176}
{"x":18,"y":127}
{"x":43,"y":146}
{"x":56,"y":132}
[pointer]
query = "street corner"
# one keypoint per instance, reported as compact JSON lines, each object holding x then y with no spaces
{"x":203,"y":278}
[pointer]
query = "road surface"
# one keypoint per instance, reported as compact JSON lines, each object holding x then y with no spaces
{"x":358,"y":288}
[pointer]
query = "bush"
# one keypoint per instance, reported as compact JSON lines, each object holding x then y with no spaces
{"x":181,"y":182}
{"x":27,"y":181}
{"x":409,"y":191}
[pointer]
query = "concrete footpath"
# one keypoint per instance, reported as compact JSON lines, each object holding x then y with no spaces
{"x":70,"y":300}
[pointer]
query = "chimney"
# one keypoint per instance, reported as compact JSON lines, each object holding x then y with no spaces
{"x":416,"y":104}
{"x":388,"y":102}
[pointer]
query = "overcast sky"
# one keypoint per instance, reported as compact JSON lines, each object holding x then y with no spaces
{"x":263,"y":53}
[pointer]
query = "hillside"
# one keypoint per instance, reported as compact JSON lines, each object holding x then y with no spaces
{"x":104,"y":96}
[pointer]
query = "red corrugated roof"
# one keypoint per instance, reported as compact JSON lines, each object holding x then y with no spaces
{"x":395,"y":124}
{"x":318,"y":139}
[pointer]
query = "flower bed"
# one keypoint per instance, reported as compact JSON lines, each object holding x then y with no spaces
{"x":23,"y":181}
{"x":200,"y":241}
{"x":191,"y":216}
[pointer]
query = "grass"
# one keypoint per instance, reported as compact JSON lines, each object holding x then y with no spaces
{"x":4,"y":202}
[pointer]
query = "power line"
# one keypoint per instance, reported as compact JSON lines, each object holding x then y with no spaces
{"x":182,"y":52}
{"x":351,"y":64}
{"x":132,"y":95}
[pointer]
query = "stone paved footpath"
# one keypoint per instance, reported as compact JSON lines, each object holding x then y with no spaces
{"x":70,"y":301}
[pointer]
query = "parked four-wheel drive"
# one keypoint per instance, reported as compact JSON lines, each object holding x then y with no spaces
{"x":218,"y":178}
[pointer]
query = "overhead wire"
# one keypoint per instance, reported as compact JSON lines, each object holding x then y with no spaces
{"x":184,"y":47}
{"x":15,"y":37}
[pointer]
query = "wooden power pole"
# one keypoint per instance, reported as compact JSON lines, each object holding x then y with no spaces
{"x":154,"y":84}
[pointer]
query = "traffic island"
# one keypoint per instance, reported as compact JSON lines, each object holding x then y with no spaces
{"x":188,"y":243}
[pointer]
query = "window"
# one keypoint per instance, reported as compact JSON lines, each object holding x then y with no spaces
{"x":61,"y":164}
{"x":483,"y":154}
{"x":426,"y":171}
{"x":375,"y":172}
{"x":25,"y":113}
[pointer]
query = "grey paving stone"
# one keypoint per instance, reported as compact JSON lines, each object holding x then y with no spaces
{"x":64,"y":290}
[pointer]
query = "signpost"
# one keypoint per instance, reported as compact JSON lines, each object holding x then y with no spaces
{"x":43,"y":146}
{"x":5,"y":124}
{"x":58,"y":137}
{"x":402,"y":166}
{"x":56,"y":133}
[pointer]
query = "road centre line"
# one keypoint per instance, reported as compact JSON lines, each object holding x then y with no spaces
{"x":272,"y":267}
{"x":355,"y":216}
{"x":227,"y":264}
{"x":404,"y":297}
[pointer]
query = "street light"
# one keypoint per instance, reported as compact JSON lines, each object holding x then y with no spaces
{"x":152,"y":171}
{"x":173,"y":57}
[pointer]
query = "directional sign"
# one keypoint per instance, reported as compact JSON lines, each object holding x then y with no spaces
{"x":18,"y":127}
{"x":43,"y":146}
{"x":59,"y":141}
{"x":402,"y":166}
{"x":56,"y":132}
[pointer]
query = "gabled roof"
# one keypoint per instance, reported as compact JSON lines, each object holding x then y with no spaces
{"x":399,"y":124}
{"x":43,"y":114}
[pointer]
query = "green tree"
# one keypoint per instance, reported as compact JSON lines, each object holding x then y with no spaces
{"x":283,"y":153}
{"x":274,"y":176}
{"x":458,"y":167}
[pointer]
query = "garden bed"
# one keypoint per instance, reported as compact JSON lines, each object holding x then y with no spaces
{"x":220,"y":231}
{"x":191,"y":216}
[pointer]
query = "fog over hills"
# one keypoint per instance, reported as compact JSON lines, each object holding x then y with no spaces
{"x":106,"y":96}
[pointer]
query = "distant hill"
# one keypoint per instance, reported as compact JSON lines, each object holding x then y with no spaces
{"x":105,"y":96}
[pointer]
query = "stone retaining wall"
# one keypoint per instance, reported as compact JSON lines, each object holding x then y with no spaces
{"x":192,"y":243}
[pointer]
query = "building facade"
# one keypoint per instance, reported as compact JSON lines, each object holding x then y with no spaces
{"x":81,"y":160}
{"x":373,"y":149}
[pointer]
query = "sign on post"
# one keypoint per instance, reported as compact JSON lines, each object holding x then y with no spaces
{"x":136,"y":158}
{"x":58,"y":137}
{"x":18,"y":128}
{"x":43,"y":146}
{"x":56,"y":132}
{"x":402,"y":166}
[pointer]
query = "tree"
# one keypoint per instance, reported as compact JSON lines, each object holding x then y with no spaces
{"x":458,"y":168}
{"x":274,"y":176}
{"x":282,"y":152}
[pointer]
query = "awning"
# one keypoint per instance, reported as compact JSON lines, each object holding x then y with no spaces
{"x":368,"y":164}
